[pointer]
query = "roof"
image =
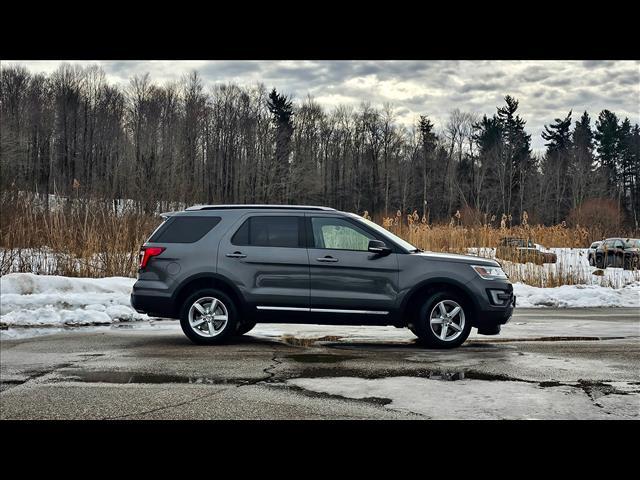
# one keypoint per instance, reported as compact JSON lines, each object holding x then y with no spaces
{"x":256,"y":207}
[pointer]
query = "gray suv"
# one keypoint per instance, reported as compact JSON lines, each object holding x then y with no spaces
{"x":221,"y":269}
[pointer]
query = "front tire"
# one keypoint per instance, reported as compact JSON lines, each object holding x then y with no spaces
{"x":208,"y":317}
{"x":443,"y":320}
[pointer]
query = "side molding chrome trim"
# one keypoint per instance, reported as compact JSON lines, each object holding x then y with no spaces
{"x":323,"y":310}
{"x":337,"y":310}
{"x":291,"y":309}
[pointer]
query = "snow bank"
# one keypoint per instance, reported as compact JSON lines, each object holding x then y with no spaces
{"x":575,"y":296}
{"x":31,"y":300}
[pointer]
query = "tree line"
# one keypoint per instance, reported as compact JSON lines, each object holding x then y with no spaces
{"x":74,"y":134}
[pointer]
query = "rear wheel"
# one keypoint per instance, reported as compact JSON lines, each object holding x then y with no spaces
{"x":599,"y":261}
{"x":592,"y":261}
{"x":442,"y":321}
{"x":208,"y":317}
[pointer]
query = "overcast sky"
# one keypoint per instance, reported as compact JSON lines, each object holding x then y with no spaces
{"x":546,"y":89}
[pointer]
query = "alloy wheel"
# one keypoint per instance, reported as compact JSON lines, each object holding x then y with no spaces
{"x":208,"y":317}
{"x":447,"y":320}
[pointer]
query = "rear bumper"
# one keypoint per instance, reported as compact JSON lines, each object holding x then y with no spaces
{"x":153,"y":305}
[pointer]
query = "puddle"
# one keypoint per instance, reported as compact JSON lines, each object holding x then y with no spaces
{"x":89,"y":376}
{"x":320,"y":358}
{"x":550,"y":384}
{"x":307,"y":342}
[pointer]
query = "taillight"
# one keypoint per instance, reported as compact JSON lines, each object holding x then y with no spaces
{"x":147,"y":252}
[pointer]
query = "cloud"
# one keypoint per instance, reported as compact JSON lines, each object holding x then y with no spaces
{"x":545,"y":89}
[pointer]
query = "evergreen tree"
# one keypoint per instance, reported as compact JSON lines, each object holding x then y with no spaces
{"x":582,"y":159}
{"x":628,"y":168}
{"x":281,"y":107}
{"x":428,"y":142}
{"x":607,"y":146}
{"x":556,"y":166}
{"x":517,"y":151}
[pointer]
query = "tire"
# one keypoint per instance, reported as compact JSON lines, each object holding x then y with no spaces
{"x":245,"y":327}
{"x":202,"y":334}
{"x":591,"y":261}
{"x":432,"y":335}
{"x":631,"y":263}
{"x":599,"y":262}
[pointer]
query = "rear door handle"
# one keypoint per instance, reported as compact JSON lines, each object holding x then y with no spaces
{"x":327,"y":259}
{"x":236,"y":255}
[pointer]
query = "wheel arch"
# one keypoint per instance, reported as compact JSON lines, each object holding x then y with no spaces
{"x":208,"y":280}
{"x":411,"y":301}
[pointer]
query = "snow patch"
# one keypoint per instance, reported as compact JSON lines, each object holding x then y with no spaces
{"x":27,"y":299}
{"x":472,"y":399}
{"x":576,"y":296}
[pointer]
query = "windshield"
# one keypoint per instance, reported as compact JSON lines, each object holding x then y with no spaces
{"x":632,"y":243}
{"x":387,"y":233}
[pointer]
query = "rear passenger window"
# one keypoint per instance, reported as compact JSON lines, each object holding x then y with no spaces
{"x":184,"y":229}
{"x":270,"y":232}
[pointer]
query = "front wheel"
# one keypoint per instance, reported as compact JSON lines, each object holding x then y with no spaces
{"x":442,"y":321}
{"x":208,"y":317}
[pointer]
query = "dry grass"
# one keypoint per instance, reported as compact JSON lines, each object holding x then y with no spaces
{"x":457,"y":238}
{"x":87,"y":239}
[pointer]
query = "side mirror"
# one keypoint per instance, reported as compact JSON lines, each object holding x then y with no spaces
{"x":379,"y":247}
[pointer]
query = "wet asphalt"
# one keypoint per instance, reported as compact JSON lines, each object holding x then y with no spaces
{"x":591,"y":356}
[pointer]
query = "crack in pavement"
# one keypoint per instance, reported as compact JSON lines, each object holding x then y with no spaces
{"x":267,"y":370}
{"x":274,"y":363}
{"x":165,"y":407}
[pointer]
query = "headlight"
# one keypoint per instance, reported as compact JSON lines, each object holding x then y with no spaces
{"x":490,"y":273}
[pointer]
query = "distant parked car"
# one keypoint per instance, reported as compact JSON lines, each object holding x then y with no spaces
{"x":591,"y":255}
{"x":522,"y":250}
{"x":619,"y":252}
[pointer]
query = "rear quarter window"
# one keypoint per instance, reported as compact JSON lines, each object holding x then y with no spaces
{"x":187,"y":229}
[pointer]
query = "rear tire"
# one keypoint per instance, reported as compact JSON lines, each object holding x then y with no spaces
{"x":446,"y":311}
{"x":599,"y":262}
{"x":208,"y":317}
{"x":591,"y":261}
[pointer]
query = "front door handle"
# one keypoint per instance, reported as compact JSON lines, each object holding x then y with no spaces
{"x":236,"y":255}
{"x":327,"y":259}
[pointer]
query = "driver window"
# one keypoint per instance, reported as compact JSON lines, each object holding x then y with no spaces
{"x":338,"y":234}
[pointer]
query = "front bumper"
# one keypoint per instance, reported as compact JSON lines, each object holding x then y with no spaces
{"x":488,"y":315}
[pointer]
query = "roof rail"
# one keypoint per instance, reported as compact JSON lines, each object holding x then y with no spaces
{"x":262,"y":207}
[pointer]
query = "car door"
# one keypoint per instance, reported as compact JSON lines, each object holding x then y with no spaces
{"x":266,"y":257}
{"x":345,"y":278}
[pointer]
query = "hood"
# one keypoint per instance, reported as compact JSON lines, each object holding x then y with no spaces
{"x":454,"y":257}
